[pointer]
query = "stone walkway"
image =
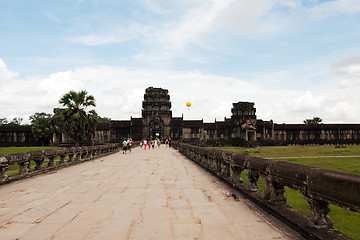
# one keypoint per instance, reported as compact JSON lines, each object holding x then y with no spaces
{"x":148,"y":194}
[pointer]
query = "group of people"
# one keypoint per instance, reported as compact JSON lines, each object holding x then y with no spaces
{"x":155,"y":143}
{"x":146,"y":143}
{"x":126,"y":145}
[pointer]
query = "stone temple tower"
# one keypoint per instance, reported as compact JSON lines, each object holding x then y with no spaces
{"x":244,"y":120}
{"x":156,"y":113}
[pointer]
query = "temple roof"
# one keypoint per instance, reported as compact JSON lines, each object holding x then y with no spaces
{"x":121,"y":123}
{"x":315,"y":126}
{"x":193,"y":123}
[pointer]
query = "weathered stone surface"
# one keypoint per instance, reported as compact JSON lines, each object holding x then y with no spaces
{"x":155,"y":194}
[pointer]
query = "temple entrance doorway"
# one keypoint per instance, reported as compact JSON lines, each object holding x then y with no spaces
{"x":156,"y":134}
{"x":156,"y":128}
{"x":250,"y":135}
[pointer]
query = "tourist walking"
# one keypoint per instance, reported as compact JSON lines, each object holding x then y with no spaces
{"x":155,"y":143}
{"x":129,"y":144}
{"x":124,"y":146}
{"x":145,"y":143}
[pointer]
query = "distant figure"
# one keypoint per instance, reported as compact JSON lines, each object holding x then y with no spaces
{"x":129,"y":144}
{"x":124,"y":146}
{"x":155,"y":143}
{"x":169,"y":142}
{"x":145,"y":143}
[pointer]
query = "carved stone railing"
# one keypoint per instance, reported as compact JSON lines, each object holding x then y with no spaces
{"x":55,"y":158}
{"x":319,"y":187}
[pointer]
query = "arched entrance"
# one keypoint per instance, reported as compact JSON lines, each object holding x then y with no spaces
{"x":156,"y":128}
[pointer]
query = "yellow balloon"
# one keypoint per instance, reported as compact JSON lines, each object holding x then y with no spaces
{"x":188,"y":104}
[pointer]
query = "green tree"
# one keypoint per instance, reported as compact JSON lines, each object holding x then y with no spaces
{"x":314,"y":120}
{"x":15,"y":122}
{"x":104,"y":120}
{"x":42,"y":127}
{"x":75,"y":120}
{"x":3,"y":121}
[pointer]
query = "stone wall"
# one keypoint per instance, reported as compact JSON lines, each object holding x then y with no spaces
{"x":284,"y":134}
{"x":49,"y":160}
{"x":12,"y":136}
{"x":318,"y":186}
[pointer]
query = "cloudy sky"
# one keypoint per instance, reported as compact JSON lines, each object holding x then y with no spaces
{"x":295,"y":59}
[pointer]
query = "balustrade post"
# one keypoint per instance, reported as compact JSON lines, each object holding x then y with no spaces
{"x":24,"y":167}
{"x":62,"y":158}
{"x":84,"y":154}
{"x":192,"y":155}
{"x":71,"y":157}
{"x":38,"y":158}
{"x":198,"y":157}
{"x":205,"y":160}
{"x":218,"y":165}
{"x":51,"y":161}
{"x":78,"y":156}
{"x":319,"y":217}
{"x":236,"y":177}
{"x":253,"y":177}
{"x":226,"y":170}
{"x":227,"y":159}
{"x":3,"y":172}
{"x":39,"y":163}
{"x":97,"y":152}
{"x":90,"y":153}
{"x":274,"y":191}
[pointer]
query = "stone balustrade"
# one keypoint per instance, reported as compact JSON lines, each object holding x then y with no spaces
{"x":319,"y":187}
{"x":48,"y":160}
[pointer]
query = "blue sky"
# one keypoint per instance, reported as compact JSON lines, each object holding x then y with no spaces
{"x":295,"y":59}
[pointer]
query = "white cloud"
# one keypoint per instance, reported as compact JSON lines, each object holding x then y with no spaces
{"x":193,"y":24}
{"x":189,"y":24}
{"x":305,"y":103}
{"x":5,"y":74}
{"x":290,"y":3}
{"x":347,"y":71}
{"x":119,"y":95}
{"x":336,"y":7}
{"x":243,"y":15}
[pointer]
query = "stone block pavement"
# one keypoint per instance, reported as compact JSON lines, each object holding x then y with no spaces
{"x":148,"y":194}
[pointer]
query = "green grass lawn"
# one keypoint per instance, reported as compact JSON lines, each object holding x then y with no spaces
{"x":346,"y":164}
{"x":345,"y":221}
{"x":12,"y":150}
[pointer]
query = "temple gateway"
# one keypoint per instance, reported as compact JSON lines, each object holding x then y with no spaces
{"x":241,"y":129}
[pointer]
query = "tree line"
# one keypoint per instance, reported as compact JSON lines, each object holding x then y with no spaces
{"x":76,"y":119}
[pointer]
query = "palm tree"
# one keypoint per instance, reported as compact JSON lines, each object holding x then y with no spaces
{"x":74,"y":120}
{"x":314,"y":120}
